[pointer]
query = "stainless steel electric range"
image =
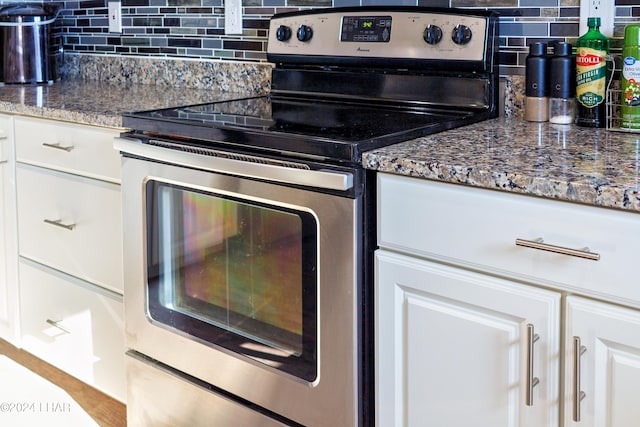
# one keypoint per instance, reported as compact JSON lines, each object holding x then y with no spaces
{"x":249,"y":225}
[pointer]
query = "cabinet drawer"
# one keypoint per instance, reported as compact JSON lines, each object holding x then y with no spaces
{"x":83,"y":150}
{"x":478,"y":229}
{"x":71,"y":223}
{"x":73,"y":325}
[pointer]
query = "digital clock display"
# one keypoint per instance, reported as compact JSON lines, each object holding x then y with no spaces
{"x":372,"y":29}
{"x":367,"y":25}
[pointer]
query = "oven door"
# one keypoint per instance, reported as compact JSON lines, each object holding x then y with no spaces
{"x":247,"y":284}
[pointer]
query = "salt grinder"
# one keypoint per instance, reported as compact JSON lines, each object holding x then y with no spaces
{"x":562,"y":88}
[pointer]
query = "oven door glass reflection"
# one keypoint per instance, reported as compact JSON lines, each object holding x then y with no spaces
{"x":235,"y":273}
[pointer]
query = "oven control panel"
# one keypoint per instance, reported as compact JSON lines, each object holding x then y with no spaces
{"x":379,"y":33}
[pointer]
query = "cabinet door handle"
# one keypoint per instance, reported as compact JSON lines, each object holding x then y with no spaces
{"x":541,"y":245}
{"x":578,"y":395}
{"x":57,"y":146}
{"x":56,"y":324}
{"x":532,"y":381}
{"x":59,"y":223}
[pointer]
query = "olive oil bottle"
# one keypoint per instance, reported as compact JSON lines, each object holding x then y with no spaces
{"x":630,"y":105}
{"x":591,"y":76}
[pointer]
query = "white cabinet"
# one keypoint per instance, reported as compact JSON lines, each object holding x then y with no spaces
{"x":74,"y":326}
{"x":70,"y":249}
{"x":71,"y":223}
{"x":477,"y":229}
{"x":602,"y":354}
{"x":456,"y":291}
{"x":9,"y":315}
{"x":456,"y":348}
{"x":78,"y":149}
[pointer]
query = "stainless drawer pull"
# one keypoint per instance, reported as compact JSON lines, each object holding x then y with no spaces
{"x":539,"y":244}
{"x":532,"y":381}
{"x":56,"y":324}
{"x":57,"y":146}
{"x":59,"y":223}
{"x":578,"y":395}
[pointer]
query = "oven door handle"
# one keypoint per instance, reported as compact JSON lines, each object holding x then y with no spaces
{"x":325,"y":179}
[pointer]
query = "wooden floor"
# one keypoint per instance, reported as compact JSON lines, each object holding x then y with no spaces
{"x":106,"y":411}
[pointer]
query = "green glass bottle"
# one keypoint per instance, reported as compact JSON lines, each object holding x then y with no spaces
{"x":591,"y":76}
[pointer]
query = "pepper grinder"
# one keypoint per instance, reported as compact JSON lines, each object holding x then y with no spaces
{"x":562,"y":85}
{"x":536,"y":102}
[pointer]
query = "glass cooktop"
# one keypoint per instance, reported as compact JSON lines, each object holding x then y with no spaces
{"x":336,"y":129}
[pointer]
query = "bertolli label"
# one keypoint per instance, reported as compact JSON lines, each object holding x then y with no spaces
{"x":591,"y":68}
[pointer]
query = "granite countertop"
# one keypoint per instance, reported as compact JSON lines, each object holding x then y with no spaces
{"x":593,"y":166}
{"x":99,"y":103}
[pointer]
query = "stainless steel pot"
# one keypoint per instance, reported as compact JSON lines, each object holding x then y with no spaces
{"x":25,"y":40}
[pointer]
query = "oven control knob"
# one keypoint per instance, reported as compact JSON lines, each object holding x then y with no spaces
{"x":432,"y":34}
{"x":461,"y":34}
{"x":283,"y":33}
{"x":304,"y":33}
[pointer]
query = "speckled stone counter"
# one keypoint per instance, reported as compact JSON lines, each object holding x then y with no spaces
{"x":596,"y":167}
{"x":100,"y":103}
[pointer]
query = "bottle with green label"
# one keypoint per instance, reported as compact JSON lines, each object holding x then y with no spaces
{"x":630,"y":102}
{"x":591,"y":76}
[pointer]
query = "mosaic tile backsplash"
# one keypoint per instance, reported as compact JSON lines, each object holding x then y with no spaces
{"x":195,"y":28}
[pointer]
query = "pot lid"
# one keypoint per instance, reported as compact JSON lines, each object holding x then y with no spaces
{"x":28,"y":12}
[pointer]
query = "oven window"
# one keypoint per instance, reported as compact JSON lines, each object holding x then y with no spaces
{"x":236,"y":273}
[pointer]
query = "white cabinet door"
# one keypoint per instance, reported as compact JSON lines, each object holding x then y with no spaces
{"x":8,"y":247}
{"x":5,"y":315}
{"x":608,"y":367}
{"x":453,"y":348}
